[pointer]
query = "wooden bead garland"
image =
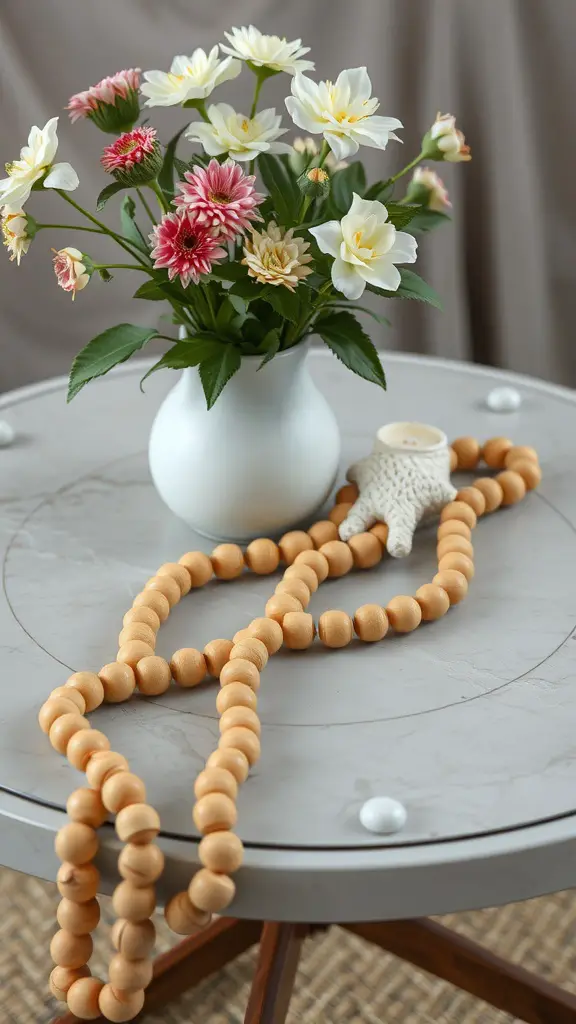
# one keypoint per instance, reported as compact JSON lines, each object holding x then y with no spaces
{"x":310,"y":557}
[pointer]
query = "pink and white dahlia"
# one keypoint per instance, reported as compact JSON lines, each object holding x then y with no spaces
{"x":221,"y":197}
{"x":112,"y":104}
{"x":70,"y":269}
{"x":185,"y":247}
{"x":134,"y":158}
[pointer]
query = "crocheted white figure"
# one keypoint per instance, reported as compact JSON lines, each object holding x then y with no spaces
{"x":405,"y":480}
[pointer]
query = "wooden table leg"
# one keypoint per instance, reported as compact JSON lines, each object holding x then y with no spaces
{"x":469,"y":966}
{"x":280,"y":948}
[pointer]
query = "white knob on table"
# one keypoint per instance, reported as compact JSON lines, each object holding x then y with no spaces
{"x":383,"y":815}
{"x":504,"y":399}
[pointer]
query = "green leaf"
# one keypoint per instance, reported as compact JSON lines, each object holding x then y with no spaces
{"x":107,"y":194}
{"x":187,"y":353}
{"x":270,"y":344}
{"x":229,"y":272}
{"x":247,"y":289}
{"x":216,"y":371}
{"x":157,"y":289}
{"x":105,"y":351}
{"x":427,"y":220}
{"x":354,"y":305}
{"x":400,"y":215}
{"x":150,"y":290}
{"x":380,"y":190}
{"x":105,"y":274}
{"x":283,"y":190}
{"x":166,"y":175}
{"x":412,"y":286}
{"x":345,"y":182}
{"x":283,"y":301}
{"x":129,"y":227}
{"x":348,"y":341}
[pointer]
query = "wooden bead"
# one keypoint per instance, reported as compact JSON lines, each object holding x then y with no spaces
{"x":456,"y":560}
{"x":89,"y":685}
{"x":339,"y":558}
{"x":53,"y":709}
{"x":83,"y":744}
{"x":530,"y":472}
{"x":68,"y":950}
{"x":294,"y":588}
{"x":433,"y":600}
{"x":454,"y":542}
{"x":137,"y":631}
{"x":453,"y":582}
{"x":155,"y":600}
{"x":340,"y":512}
{"x":76,"y":843}
{"x":216,"y":780}
{"x":198,"y":566}
{"x":495,"y":451}
{"x":262,"y":556}
{"x":133,"y":651}
{"x":279,"y":605}
{"x":513,"y":486}
{"x":102,"y":765}
{"x":130,"y":975}
{"x":153,"y":675}
{"x":268,"y":631}
{"x":134,"y":903}
{"x":216,"y":654}
{"x":141,"y":865}
{"x":491,"y":490}
{"x":235,"y":695}
{"x":134,"y":940}
{"x":242,"y":739}
{"x":304,"y":573}
{"x":241,"y":634}
{"x":370,"y":623}
{"x":453,"y":460}
{"x":182,"y":917}
{"x":142,"y":614}
{"x":167,"y":586}
{"x":210,"y":891}
{"x":121,"y":790}
{"x":381,"y":531}
{"x":138,"y":823}
{"x":335,"y":628}
{"x":70,"y":693}
{"x":227,"y":561}
{"x":62,"y":978}
{"x":320,"y":533}
{"x":85,"y":806}
{"x":78,"y":883}
{"x":404,"y":613}
{"x":293,"y":544}
{"x":240,"y":716}
{"x":64,"y":729}
{"x":119,"y":1008}
{"x":454,"y":526}
{"x":520,"y":451}
{"x":349,"y":492}
{"x":118,"y":680}
{"x":366,"y":550}
{"x":83,"y":996}
{"x":78,"y":918}
{"x":299,"y":630}
{"x":473,"y":497}
{"x":316,"y":561}
{"x":459,"y":510}
{"x":215,"y":812}
{"x":240,"y":670}
{"x":179,"y":573}
{"x":251,"y":650}
{"x":235,"y":761}
{"x":467,"y":452}
{"x":222,"y":852}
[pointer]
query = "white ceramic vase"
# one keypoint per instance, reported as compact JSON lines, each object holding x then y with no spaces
{"x":261,"y":461}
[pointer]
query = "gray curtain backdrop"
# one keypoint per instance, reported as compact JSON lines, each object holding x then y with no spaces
{"x":505,"y":268}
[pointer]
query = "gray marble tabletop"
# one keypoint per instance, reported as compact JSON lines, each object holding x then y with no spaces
{"x":469,"y":721}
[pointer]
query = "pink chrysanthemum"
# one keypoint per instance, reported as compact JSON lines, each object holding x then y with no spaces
{"x":222,"y":197}
{"x":120,"y":85}
{"x":186,"y":248}
{"x":129,"y":149}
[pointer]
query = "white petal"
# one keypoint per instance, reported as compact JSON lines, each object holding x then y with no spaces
{"x":367,"y":208}
{"x":346,"y":280}
{"x":62,"y":176}
{"x":229,"y":69}
{"x":328,"y":236}
{"x":341,"y":146}
{"x":358,"y":82}
{"x":179,"y":65}
{"x":303,"y":116}
{"x":279,"y":147}
{"x":404,"y":248}
{"x":47,"y":150}
{"x":381,"y":273}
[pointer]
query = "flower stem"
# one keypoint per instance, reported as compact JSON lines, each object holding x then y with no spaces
{"x":107,"y":231}
{"x":162,"y":203}
{"x":210,"y":306}
{"x":259,"y":84}
{"x":71,"y":227}
{"x":324,"y":153}
{"x":142,"y":198}
{"x":406,"y":169}
{"x":122,"y":266}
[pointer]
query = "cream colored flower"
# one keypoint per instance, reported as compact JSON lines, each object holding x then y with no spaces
{"x":36,"y":159}
{"x":189,"y":78}
{"x":307,"y":148}
{"x":243,"y":138}
{"x":276,"y":258}
{"x":272,"y":52}
{"x":428,"y":189}
{"x":70,"y":270}
{"x":15,"y":233}
{"x":449,"y":140}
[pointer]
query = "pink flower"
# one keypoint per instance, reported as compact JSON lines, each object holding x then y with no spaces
{"x":185,"y":247}
{"x":70,"y":270}
{"x":222,"y":197}
{"x":134,"y":158}
{"x":112,"y":104}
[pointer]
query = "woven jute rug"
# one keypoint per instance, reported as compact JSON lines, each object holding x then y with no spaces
{"x":342,"y":979}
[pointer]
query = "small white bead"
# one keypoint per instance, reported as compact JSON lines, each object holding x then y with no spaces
{"x":7,"y":434}
{"x":383,"y":815}
{"x":504,"y":400}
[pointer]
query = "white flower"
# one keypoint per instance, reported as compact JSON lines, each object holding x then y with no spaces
{"x":15,"y":233}
{"x":366,"y":247}
{"x":276,"y":257}
{"x":449,"y":140}
{"x":429,"y":185}
{"x":243,"y":138}
{"x":267,"y":51}
{"x":343,"y":112}
{"x":35,"y":159}
{"x":189,"y":78}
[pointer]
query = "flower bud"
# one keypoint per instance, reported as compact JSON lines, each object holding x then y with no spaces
{"x":135,"y":158}
{"x":18,"y":230}
{"x":314,"y":183}
{"x":427,"y":189}
{"x":445,"y":142}
{"x":113,"y":104}
{"x":73,"y":269}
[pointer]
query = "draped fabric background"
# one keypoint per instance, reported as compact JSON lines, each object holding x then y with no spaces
{"x":505,"y":268}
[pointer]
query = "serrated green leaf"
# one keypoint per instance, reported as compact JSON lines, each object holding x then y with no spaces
{"x":247,"y":289}
{"x":283,"y":301}
{"x":216,"y":371}
{"x":270,"y":344}
{"x":427,"y":220}
{"x":400,"y":215}
{"x":362,"y":309}
{"x":382,"y":191}
{"x":166,"y":175}
{"x":186,"y":353}
{"x":412,"y":286}
{"x":107,"y":194}
{"x":130,"y":228}
{"x":282,"y":189}
{"x":150,"y":290}
{"x":345,"y":182}
{"x":348,"y":341}
{"x":105,"y":351}
{"x":229,"y":272}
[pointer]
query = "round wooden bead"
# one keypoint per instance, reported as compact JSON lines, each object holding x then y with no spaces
{"x":453,"y":582}
{"x":262,"y":556}
{"x":102,"y":765}
{"x":454,"y":526}
{"x":240,"y":716}
{"x":134,"y":903}
{"x":215,"y":812}
{"x":138,"y":823}
{"x":299,"y":630}
{"x":121,"y":790}
{"x":473,"y":497}
{"x":216,"y":780}
{"x":235,"y":695}
{"x":453,"y":460}
{"x":235,"y":761}
{"x":530,"y":472}
{"x":366,"y":550}
{"x":335,"y":628}
{"x":142,"y":614}
{"x":167,"y":586}
{"x":78,"y":883}
{"x":348,"y":492}
{"x":210,"y":891}
{"x":62,"y":978}
{"x":141,"y":865}
{"x":491,"y":490}
{"x":268,"y":631}
{"x":242,"y":739}
{"x":279,"y":605}
{"x":64,"y":728}
{"x":134,"y":940}
{"x":241,"y":634}
{"x":456,"y":560}
{"x":155,"y":600}
{"x":340,"y":512}
{"x":404,"y":613}
{"x":76,"y":843}
{"x":433,"y":600}
{"x":519,"y":451}
{"x":78,"y":918}
{"x":85,"y":806}
{"x":119,"y":1008}
{"x":513,"y":486}
{"x":137,"y":631}
{"x":130,"y":975}
{"x":68,"y":950}
{"x":370,"y":623}
{"x":70,"y":693}
{"x":323,"y":531}
{"x":495,"y":451}
{"x":339,"y":557}
{"x":454,"y":542}
{"x":118,"y":680}
{"x":304,"y":573}
{"x":222,"y":852}
{"x":227,"y":561}
{"x":198,"y":566}
{"x":133,"y":651}
{"x":216,"y":654}
{"x":179,"y":573}
{"x":294,"y":588}
{"x":83,"y":996}
{"x":83,"y":744}
{"x":293,"y":544}
{"x":153,"y":675}
{"x":459,"y":510}
{"x":182,"y":917}
{"x":53,"y":709}
{"x":240,"y":670}
{"x":251,"y":650}
{"x":467,"y":452}
{"x":380,"y":530}
{"x":316,"y":561}
{"x":89,"y":685}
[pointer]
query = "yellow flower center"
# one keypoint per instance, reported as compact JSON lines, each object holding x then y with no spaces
{"x":358,"y":238}
{"x":245,"y":124}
